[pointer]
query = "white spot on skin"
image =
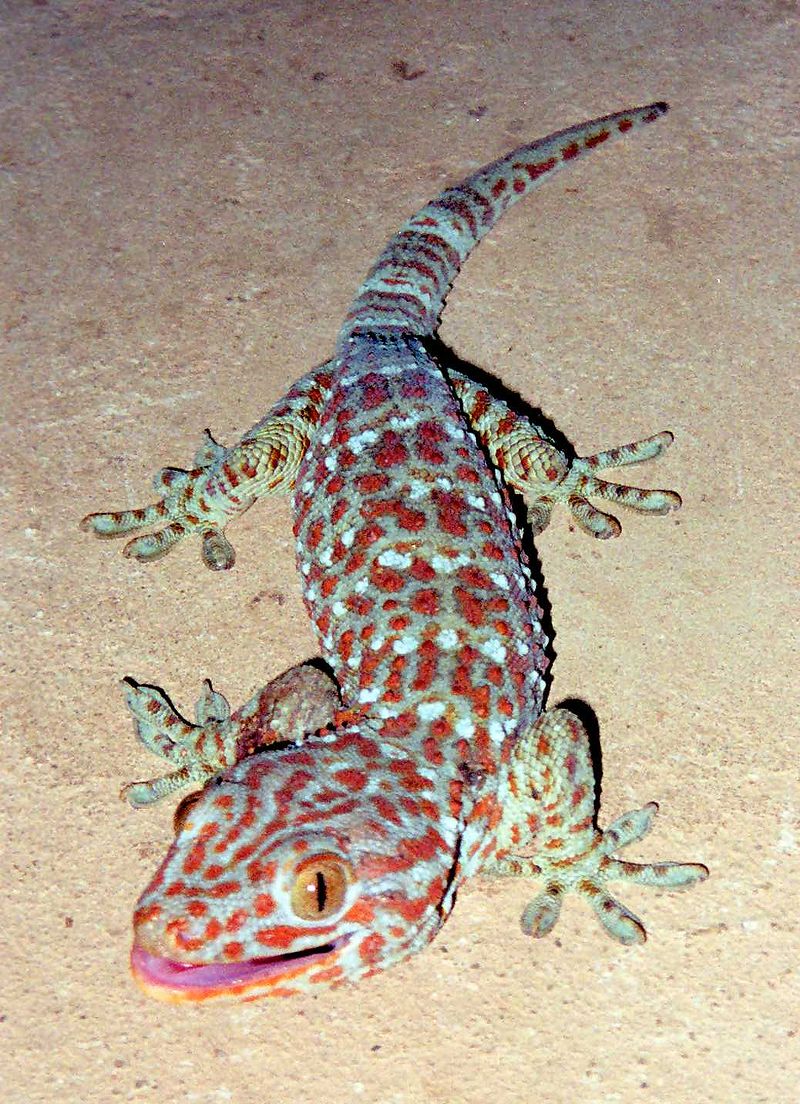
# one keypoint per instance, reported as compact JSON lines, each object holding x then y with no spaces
{"x":496,"y":732}
{"x":493,"y":649}
{"x":465,"y":728}
{"x":499,"y":580}
{"x":445,"y":483}
{"x":361,"y":586}
{"x":356,"y":443}
{"x":339,"y":609}
{"x":368,"y":694}
{"x":446,"y":565}
{"x":447,"y":640}
{"x":430,"y":710}
{"x":391,"y":558}
{"x":325,"y":557}
{"x":347,"y":537}
{"x":405,"y":644}
{"x":407,"y":422}
{"x":477,"y":501}
{"x":331,"y":463}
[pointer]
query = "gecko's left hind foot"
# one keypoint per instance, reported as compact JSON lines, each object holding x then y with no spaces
{"x":546,"y":478}
{"x":534,"y":466}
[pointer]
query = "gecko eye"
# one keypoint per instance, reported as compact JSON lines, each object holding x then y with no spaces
{"x":183,"y":809}
{"x":319,"y":887}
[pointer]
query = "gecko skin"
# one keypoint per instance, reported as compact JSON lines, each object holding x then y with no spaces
{"x":336,"y":821}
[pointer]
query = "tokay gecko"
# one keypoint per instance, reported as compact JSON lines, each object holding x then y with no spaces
{"x":340,"y":810}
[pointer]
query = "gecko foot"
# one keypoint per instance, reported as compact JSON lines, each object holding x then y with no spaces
{"x":297,"y":703}
{"x":546,"y":478}
{"x":548,"y":832}
{"x":198,"y":751}
{"x":198,"y":501}
{"x":588,"y":875}
{"x":222,"y":484}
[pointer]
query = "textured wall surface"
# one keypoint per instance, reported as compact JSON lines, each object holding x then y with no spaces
{"x":191,"y":193}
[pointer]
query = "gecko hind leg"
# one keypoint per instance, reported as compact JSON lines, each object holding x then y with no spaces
{"x":223,"y":483}
{"x":550,"y":803}
{"x":533,"y":465}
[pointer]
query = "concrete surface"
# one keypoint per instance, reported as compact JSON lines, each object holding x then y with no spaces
{"x":191,"y":193}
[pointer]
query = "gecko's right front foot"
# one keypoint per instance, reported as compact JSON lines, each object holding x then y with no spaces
{"x":294,"y":705}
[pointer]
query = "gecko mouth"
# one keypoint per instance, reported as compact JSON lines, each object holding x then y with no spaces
{"x":166,"y":979}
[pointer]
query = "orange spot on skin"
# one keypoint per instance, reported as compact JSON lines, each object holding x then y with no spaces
{"x":224,"y":889}
{"x":427,"y":666}
{"x":422,"y":571}
{"x":392,"y":450}
{"x":401,"y":726}
{"x":362,"y":912}
{"x":471,"y":608}
{"x":351,"y":778}
{"x":235,"y":920}
{"x":372,"y":483}
{"x":282,"y":936}
{"x":432,"y":751}
{"x":386,"y":578}
{"x":263,"y":905}
{"x":370,"y":948}
{"x":213,"y":929}
{"x":386,"y":809}
{"x":450,"y":506}
{"x":475,"y":577}
{"x":234,"y":951}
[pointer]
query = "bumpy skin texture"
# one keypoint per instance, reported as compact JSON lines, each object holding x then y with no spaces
{"x":339,"y":818}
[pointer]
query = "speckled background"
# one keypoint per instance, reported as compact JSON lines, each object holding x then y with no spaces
{"x":191,"y":193}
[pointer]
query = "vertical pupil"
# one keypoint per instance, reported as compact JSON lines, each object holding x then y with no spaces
{"x":321,"y":890}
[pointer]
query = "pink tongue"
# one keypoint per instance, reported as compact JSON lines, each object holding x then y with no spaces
{"x":180,"y":975}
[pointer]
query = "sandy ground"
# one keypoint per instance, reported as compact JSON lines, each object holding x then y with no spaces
{"x":191,"y":193}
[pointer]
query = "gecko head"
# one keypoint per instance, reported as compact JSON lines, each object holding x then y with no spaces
{"x":296,"y":870}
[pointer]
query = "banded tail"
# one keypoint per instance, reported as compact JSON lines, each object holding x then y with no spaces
{"x":406,"y":287}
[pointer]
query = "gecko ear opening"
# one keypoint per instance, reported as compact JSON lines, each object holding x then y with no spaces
{"x":183,"y":809}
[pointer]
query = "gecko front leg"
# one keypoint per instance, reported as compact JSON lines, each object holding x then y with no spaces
{"x":300,"y":701}
{"x":548,"y":832}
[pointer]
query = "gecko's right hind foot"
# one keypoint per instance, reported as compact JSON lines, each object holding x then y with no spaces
{"x":200,"y":501}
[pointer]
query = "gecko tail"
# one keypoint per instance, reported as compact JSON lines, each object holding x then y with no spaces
{"x":406,"y":288}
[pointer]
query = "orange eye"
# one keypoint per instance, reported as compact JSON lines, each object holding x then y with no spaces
{"x":319,"y":888}
{"x":183,"y":809}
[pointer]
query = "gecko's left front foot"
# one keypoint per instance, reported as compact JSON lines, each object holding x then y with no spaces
{"x":551,"y":799}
